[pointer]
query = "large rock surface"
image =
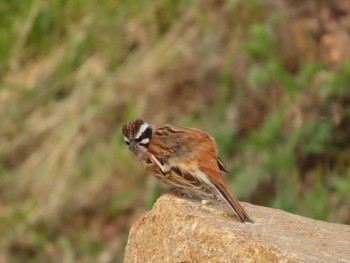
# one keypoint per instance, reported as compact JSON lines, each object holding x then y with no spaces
{"x":180,"y":229}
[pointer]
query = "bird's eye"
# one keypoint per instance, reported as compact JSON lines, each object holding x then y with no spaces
{"x":127,"y":142}
{"x":147,"y":134}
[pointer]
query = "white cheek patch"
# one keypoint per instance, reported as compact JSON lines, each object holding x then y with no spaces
{"x":126,"y":139}
{"x":141,"y":130}
{"x":145,"y":141}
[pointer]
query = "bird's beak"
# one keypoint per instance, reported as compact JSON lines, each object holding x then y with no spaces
{"x":132,"y":146}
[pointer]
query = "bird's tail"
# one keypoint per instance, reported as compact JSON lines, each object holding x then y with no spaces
{"x":232,"y":202}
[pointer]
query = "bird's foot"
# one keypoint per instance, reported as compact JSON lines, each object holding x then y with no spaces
{"x":178,"y":192}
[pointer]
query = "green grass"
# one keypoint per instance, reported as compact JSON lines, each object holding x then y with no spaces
{"x":73,"y":72}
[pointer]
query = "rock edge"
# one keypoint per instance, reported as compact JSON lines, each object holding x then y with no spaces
{"x":179,"y":229}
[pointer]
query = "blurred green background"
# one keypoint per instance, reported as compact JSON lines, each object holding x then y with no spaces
{"x":270,"y":80}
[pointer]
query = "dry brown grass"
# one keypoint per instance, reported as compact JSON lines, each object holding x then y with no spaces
{"x":69,"y":187}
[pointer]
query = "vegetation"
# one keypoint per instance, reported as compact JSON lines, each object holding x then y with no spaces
{"x":269,"y":80}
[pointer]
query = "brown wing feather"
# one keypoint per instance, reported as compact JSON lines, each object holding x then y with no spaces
{"x":222,"y":166}
{"x":169,"y":141}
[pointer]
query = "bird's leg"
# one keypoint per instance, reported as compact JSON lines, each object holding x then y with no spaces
{"x":178,"y":192}
{"x":144,"y":154}
{"x":164,"y":166}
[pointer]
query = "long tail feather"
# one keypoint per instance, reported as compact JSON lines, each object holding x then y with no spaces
{"x":233,"y":203}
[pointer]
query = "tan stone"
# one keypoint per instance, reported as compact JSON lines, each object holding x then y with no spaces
{"x":180,"y":229}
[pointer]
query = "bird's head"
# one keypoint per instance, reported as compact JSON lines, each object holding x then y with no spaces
{"x":137,"y":132}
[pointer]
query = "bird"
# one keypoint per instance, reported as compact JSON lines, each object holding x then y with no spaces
{"x":182,"y":157}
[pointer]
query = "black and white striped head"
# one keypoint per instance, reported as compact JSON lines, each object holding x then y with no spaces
{"x":137,"y":132}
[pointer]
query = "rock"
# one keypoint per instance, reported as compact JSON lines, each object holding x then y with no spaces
{"x":180,"y":229}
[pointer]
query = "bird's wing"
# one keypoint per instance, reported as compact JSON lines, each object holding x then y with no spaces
{"x":222,"y":166}
{"x":176,"y":176}
{"x":184,"y":150}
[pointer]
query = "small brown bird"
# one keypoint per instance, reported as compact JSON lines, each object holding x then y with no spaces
{"x":182,"y":157}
